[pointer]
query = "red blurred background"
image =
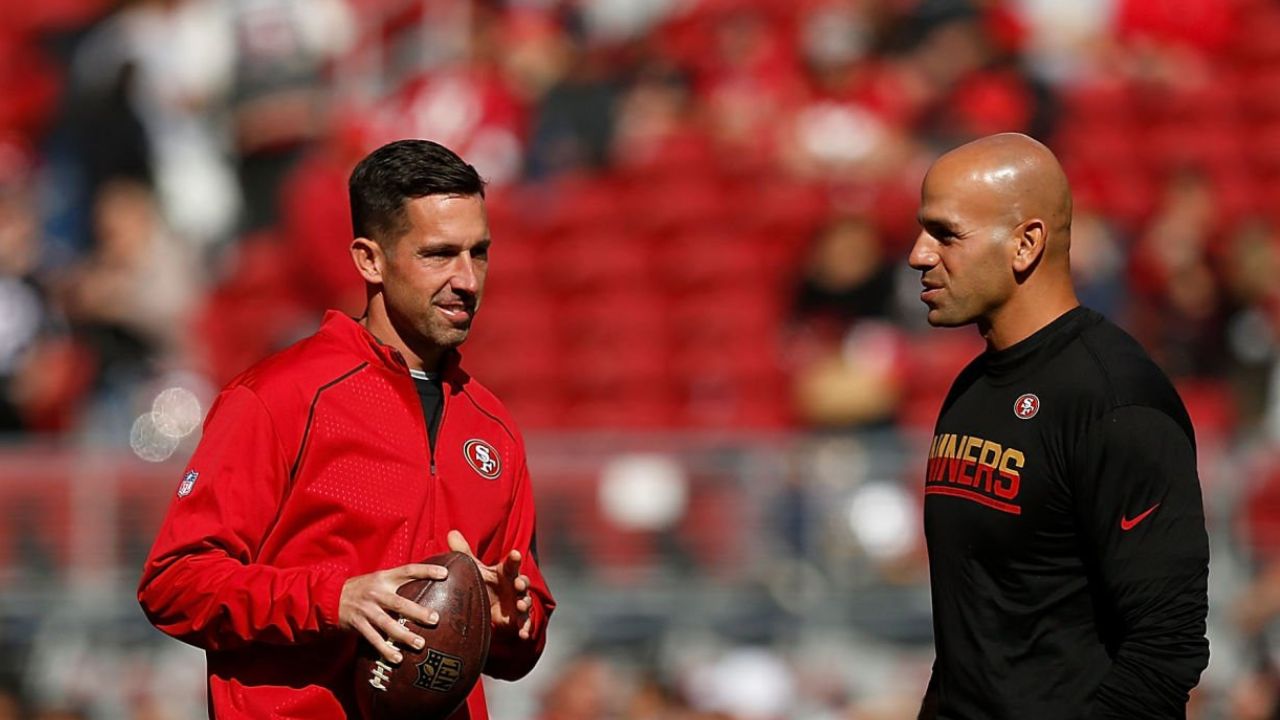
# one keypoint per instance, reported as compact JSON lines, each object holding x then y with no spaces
{"x":698,"y":305}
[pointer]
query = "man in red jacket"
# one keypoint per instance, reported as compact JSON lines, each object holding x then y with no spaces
{"x":327,"y":469}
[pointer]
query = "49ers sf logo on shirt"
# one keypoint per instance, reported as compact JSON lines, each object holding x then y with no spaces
{"x":1026,"y":406}
{"x":483,"y":458}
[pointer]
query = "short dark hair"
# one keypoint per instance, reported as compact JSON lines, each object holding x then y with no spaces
{"x":400,"y":171}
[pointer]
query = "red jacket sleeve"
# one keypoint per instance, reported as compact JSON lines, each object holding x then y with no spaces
{"x":201,"y":583}
{"x":511,"y":658}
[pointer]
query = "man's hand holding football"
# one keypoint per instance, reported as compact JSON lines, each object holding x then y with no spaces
{"x":368,"y":600}
{"x":509,"y":600}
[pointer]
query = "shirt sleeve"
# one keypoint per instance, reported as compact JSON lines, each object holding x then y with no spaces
{"x":1140,"y":510}
{"x":201,"y":583}
{"x":929,"y":703}
{"x":511,"y":658}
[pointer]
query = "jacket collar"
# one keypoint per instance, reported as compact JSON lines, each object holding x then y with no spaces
{"x":351,"y":334}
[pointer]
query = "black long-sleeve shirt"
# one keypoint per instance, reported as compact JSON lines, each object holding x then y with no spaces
{"x":1065,"y":527}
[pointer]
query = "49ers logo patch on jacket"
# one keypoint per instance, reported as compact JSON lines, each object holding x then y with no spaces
{"x":482,"y":458}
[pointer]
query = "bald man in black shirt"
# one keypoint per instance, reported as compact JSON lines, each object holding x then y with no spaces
{"x":1063,"y":515}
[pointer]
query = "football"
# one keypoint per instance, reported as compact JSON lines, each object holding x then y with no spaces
{"x":434,"y":681}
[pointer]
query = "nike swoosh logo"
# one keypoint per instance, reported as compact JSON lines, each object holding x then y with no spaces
{"x":1127,"y":524}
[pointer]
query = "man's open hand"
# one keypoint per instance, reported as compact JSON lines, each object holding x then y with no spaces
{"x":368,"y":600}
{"x":509,"y":601}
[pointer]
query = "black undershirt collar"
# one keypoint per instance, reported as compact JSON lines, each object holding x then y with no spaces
{"x":431,"y":396}
{"x":1009,"y":364}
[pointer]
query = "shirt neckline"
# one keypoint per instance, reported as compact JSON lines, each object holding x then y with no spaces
{"x":1002,"y":364}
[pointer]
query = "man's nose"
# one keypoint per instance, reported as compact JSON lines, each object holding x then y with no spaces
{"x":924,"y":253}
{"x":465,"y":277}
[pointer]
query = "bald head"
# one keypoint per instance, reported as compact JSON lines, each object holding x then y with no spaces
{"x":995,"y":216}
{"x":1020,"y":174}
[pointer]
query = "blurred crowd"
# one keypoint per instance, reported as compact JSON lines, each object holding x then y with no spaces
{"x":702,"y":207}
{"x":701,"y":210}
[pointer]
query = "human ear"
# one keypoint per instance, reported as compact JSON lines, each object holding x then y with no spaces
{"x":369,"y":259}
{"x":1031,"y":237}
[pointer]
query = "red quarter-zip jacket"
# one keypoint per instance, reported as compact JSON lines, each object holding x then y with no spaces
{"x":315,"y":467}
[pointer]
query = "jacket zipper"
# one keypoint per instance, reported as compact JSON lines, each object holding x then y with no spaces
{"x":444,"y":406}
{"x":434,"y":490}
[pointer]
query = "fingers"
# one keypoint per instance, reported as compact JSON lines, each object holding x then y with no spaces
{"x":396,"y":632}
{"x":371,"y":606}
{"x":415,"y":612}
{"x":387,"y":650}
{"x":420,"y":571}
{"x":458,"y":543}
{"x":511,"y":565}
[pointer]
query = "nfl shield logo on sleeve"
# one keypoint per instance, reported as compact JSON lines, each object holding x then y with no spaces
{"x":188,"y":482}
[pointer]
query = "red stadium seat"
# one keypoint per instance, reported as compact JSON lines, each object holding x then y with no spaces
{"x":515,"y":341}
{"x":1260,"y":90}
{"x":1215,"y":101}
{"x":619,"y":371}
{"x":937,"y":357}
{"x":1100,"y":103}
{"x":577,"y":202}
{"x":685,"y":153}
{"x":1172,"y":145}
{"x":1257,"y":45}
{"x":626,"y":315}
{"x":536,"y":407}
{"x":694,"y":200}
{"x":730,"y":383}
{"x":788,"y":211}
{"x":730,"y":315}
{"x":1268,"y":188}
{"x":589,"y":260}
{"x":253,"y":312}
{"x":1264,"y":145}
{"x":1100,"y":145}
{"x":516,"y":261}
{"x":699,"y":259}
{"x":1129,"y":196}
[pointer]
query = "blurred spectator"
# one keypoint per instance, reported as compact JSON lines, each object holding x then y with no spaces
{"x":10,"y":704}
{"x":109,"y":134}
{"x":23,"y":302}
{"x":652,"y":699}
{"x":572,"y":92}
{"x":129,"y":301}
{"x":1098,"y":263}
{"x":100,"y":136}
{"x":586,"y":688}
{"x":1176,"y":309}
{"x":184,"y":52}
{"x":1064,"y":42}
{"x":745,"y":684}
{"x":315,"y":223}
{"x":717,"y":136}
{"x":845,"y":349}
{"x":29,"y":83}
{"x":747,"y":78}
{"x":278,"y":97}
{"x":656,"y":120}
{"x":1251,"y":256}
{"x":847,"y":277}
